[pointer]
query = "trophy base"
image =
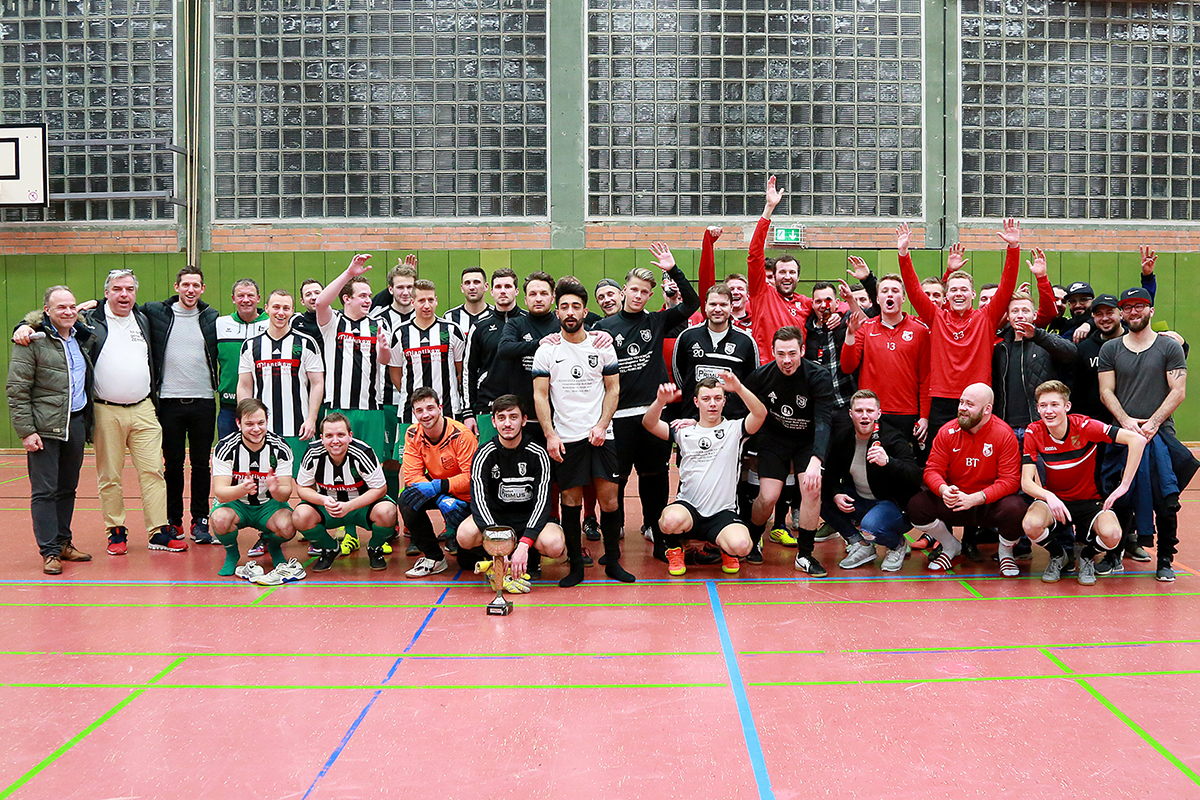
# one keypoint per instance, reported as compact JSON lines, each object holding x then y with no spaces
{"x":499,"y":607}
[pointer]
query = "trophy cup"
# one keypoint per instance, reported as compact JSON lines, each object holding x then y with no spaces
{"x":499,"y":541}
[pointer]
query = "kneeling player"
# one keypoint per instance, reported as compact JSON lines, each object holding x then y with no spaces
{"x":341,"y":483}
{"x":1059,"y":472}
{"x":252,"y":481}
{"x":710,"y":460}
{"x":510,"y":486}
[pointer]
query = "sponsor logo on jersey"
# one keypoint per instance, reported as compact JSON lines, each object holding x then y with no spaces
{"x":495,"y":472}
{"x":515,"y":494}
{"x":705,"y":443}
{"x":576,"y":371}
{"x":786,"y":411}
{"x":634,"y":350}
{"x":619,"y":339}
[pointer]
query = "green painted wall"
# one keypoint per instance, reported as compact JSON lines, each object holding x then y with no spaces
{"x":26,"y":277}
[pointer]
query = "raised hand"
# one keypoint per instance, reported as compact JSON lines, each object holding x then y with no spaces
{"x":662,"y":254}
{"x":715,"y":231}
{"x":1011,"y":233}
{"x":903,"y":238}
{"x":957,"y":258}
{"x":733,"y":384}
{"x":844,"y":292}
{"x":774,"y":193}
{"x":410,"y":260}
{"x":1148,"y":259}
{"x":1037,"y":267}
{"x":358,"y":265}
{"x":858,"y":268}
{"x":669,"y":393}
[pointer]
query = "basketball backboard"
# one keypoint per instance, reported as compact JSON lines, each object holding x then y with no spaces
{"x":23,"y":180}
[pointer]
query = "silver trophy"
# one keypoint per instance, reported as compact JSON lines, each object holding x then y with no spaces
{"x":499,"y":542}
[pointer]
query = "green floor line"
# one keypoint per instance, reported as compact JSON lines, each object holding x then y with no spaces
{"x":970,"y":588}
{"x":414,"y":656}
{"x":248,"y":687}
{"x":883,"y":601}
{"x":1123,"y":717}
{"x":969,"y":648}
{"x":264,"y":595}
{"x":83,"y":734}
{"x":13,"y":480}
{"x":977,"y":678}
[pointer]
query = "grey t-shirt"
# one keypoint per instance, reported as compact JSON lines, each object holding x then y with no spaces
{"x":1141,"y":378}
{"x":185,"y":369}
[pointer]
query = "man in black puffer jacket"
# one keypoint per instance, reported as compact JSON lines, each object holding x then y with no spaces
{"x":183,"y":349}
{"x":1023,"y":359}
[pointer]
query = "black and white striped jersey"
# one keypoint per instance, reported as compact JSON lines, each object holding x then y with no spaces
{"x":358,"y":473}
{"x":430,"y":357}
{"x":395,"y":320}
{"x":233,"y":459}
{"x":464,"y":319}
{"x":353,"y":374}
{"x":280,"y":368}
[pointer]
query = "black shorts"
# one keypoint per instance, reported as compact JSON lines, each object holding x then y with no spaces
{"x":1083,"y":516}
{"x":638,"y":448}
{"x":707,"y":528}
{"x":779,"y":457}
{"x":584,"y":462}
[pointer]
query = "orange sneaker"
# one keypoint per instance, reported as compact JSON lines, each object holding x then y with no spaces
{"x":675,"y":561}
{"x":729,"y":564}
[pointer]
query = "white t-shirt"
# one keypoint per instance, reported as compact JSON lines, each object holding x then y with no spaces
{"x":123,"y":368}
{"x":576,"y":373}
{"x":710,"y":461}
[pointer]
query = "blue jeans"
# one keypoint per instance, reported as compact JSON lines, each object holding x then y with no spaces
{"x":882,"y":521}
{"x":226,"y":421}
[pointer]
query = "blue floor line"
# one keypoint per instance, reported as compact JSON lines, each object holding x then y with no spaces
{"x":749,"y":731}
{"x":333,"y":757}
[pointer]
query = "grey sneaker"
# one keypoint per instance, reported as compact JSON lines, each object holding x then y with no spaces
{"x":859,"y":554}
{"x":811,"y":566}
{"x":287,"y":572}
{"x":1137,"y":553}
{"x":249,"y":571}
{"x":426,"y":567}
{"x":894,"y":560}
{"x":824,"y":533}
{"x":1054,"y":569}
{"x":1087,"y":572}
{"x":1164,"y":574}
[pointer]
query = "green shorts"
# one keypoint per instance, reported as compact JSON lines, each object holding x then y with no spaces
{"x":393,"y":427}
{"x":299,"y":447}
{"x":369,"y":427}
{"x":254,"y":516}
{"x":358,"y":518}
{"x":401,"y":432}
{"x":487,"y":431}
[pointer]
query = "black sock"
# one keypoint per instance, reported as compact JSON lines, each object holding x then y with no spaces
{"x":804,"y":541}
{"x":573,"y":530}
{"x":669,"y":541}
{"x":756,"y":533}
{"x":781,"y":512}
{"x":535,"y":560}
{"x":610,"y":526}
{"x":1053,"y":547}
{"x":653,"y":490}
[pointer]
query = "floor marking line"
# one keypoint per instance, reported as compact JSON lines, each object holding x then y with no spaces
{"x":83,"y":734}
{"x":1123,"y":717}
{"x":333,"y":757}
{"x":1185,"y":568}
{"x":429,"y":656}
{"x":970,"y":589}
{"x":976,"y":678}
{"x":359,"y":686}
{"x":749,"y":731}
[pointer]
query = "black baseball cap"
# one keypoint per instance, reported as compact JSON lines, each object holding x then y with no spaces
{"x":1135,"y":295}
{"x":1105,"y":301}
{"x":1079,"y":287}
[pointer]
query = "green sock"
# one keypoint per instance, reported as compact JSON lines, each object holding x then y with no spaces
{"x":232,"y":554}
{"x":319,"y":536}
{"x":274,"y":548}
{"x":379,"y":536}
{"x":393,"y":485}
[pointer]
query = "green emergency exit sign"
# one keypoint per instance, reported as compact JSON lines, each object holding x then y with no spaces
{"x":793,"y":234}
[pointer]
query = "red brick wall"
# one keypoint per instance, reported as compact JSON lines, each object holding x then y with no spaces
{"x":1099,"y":238}
{"x":605,"y":236}
{"x":33,"y":240}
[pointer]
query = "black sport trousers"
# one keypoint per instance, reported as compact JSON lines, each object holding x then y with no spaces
{"x":187,"y":427}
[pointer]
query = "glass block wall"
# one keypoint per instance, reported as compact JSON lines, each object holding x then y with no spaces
{"x":93,"y":69}
{"x":379,"y":108}
{"x":692,"y":102}
{"x":1080,"y":110}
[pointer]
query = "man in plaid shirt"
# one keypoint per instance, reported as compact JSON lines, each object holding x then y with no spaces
{"x":823,"y":344}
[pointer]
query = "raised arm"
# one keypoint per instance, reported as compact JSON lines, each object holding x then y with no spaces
{"x":652,"y":419}
{"x":924,"y":307}
{"x":1011,"y":233}
{"x":358,"y":266}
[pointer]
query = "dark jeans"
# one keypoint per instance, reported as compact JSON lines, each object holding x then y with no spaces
{"x":1005,"y":515}
{"x":420,"y":527}
{"x":941,"y":411}
{"x":227,"y":421}
{"x":187,"y":425}
{"x":54,"y":476}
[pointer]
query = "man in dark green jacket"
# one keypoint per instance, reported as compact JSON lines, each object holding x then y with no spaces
{"x":49,"y":392}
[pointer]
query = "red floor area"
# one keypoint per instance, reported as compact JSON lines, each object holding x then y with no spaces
{"x":149,"y":676}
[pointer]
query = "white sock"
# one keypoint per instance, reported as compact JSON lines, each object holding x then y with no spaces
{"x":1005,"y":550}
{"x":938,"y":530}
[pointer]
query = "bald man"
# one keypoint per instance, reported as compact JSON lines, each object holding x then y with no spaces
{"x":971,"y":478}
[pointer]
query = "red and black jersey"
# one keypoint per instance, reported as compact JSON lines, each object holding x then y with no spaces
{"x":1069,"y":468}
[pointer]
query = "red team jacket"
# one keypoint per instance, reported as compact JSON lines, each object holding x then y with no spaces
{"x":769,"y":309}
{"x":960,"y":345}
{"x":986,"y":459}
{"x":895,"y":364}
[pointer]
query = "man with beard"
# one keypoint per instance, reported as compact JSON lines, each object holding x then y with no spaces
{"x":705,"y":350}
{"x":774,"y":303}
{"x":232,"y":330}
{"x":474,"y":306}
{"x":823,"y":345}
{"x":580,"y":381}
{"x":971,"y":478}
{"x":1143,"y":379}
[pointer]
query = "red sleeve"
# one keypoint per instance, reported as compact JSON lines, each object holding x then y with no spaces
{"x":935,"y":467}
{"x":756,"y":262}
{"x":708,"y":267}
{"x":923,"y":377}
{"x":946,"y":275}
{"x":916,"y":295}
{"x":1047,"y":305}
{"x":998,"y":307}
{"x":851,"y":356}
{"x":1008,"y":478}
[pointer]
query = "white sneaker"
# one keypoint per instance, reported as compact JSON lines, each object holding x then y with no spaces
{"x":287,"y":572}
{"x":857,"y":555}
{"x":648,"y":533}
{"x":426,"y":567}
{"x":249,"y":571}
{"x":894,"y":560}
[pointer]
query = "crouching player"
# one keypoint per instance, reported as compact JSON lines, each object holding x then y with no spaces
{"x":710,"y":461}
{"x":510,"y":486}
{"x":1058,"y":470}
{"x":252,"y":481}
{"x":340,"y":483}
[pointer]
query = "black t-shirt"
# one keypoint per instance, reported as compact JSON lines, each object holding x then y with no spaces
{"x":799,"y":406}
